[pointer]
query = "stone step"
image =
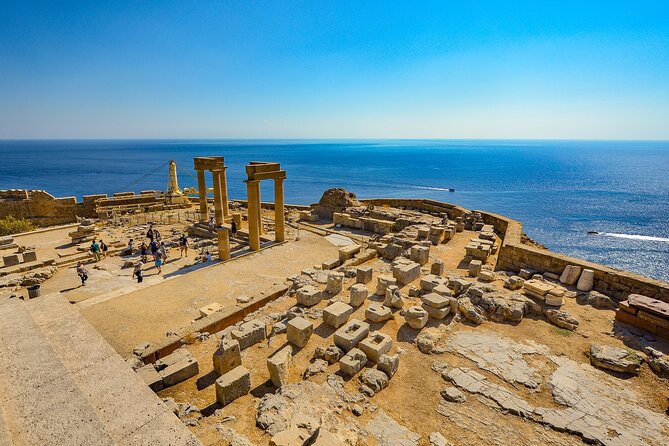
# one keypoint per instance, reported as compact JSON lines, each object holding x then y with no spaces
{"x":130,"y":412}
{"x":40,"y":401}
{"x":63,"y":384}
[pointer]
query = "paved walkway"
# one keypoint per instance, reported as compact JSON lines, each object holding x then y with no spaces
{"x":61,"y":383}
{"x":149,"y":313}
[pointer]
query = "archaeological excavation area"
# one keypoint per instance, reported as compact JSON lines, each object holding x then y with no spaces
{"x":347,"y":322}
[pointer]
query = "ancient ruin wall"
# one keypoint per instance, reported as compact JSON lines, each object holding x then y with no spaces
{"x":515,"y":255}
{"x":614,"y":282}
{"x":42,"y":208}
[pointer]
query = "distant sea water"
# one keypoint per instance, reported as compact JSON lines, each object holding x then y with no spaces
{"x":559,"y":190}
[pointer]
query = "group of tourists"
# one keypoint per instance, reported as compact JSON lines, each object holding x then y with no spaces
{"x":99,"y":249}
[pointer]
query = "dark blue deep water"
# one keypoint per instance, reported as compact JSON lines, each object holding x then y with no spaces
{"x":558,"y":189}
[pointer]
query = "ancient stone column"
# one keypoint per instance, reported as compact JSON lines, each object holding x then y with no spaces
{"x":259,"y":206}
{"x":202,"y":190}
{"x":224,"y":195}
{"x":253,"y":192}
{"x":279,"y":213}
{"x":218,"y":203}
{"x":223,"y":235}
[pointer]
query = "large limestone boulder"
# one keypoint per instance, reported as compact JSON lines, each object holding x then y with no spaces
{"x":335,"y":200}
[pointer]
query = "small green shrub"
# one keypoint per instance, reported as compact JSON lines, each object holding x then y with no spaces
{"x":12,"y":225}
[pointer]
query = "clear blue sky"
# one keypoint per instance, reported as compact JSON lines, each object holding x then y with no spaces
{"x":334,"y":69}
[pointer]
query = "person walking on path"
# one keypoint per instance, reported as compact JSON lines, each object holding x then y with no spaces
{"x":95,"y":249}
{"x":144,"y":251}
{"x":83,"y":274}
{"x":150,"y":233}
{"x":163,"y":251}
{"x":137,"y":271}
{"x":233,"y":229}
{"x":159,"y":261}
{"x":156,"y":235}
{"x":183,"y":245}
{"x":103,"y":249}
{"x":153,"y":247}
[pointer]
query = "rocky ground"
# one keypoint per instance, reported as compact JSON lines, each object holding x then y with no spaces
{"x":525,"y":382}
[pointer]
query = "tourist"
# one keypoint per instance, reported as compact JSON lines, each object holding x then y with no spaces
{"x":95,"y":249}
{"x":83,"y":274}
{"x":156,"y":235}
{"x":163,"y":251}
{"x":130,"y":248}
{"x":137,"y":271}
{"x":153,"y":247}
{"x":103,"y":249}
{"x":159,"y":261}
{"x":183,"y":245}
{"x":233,"y":229}
{"x":211,"y":223}
{"x":150,"y":234}
{"x":207,"y":257}
{"x":144,"y":251}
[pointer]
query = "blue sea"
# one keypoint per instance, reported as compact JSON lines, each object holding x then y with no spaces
{"x":560,"y":190}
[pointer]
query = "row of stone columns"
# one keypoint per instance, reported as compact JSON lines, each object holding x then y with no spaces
{"x":220,"y":186}
{"x":255,"y":212}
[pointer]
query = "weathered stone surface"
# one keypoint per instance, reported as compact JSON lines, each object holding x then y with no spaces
{"x":353,"y":362}
{"x":232,"y":385}
{"x":586,"y":281}
{"x":562,"y":319}
{"x":453,"y":395}
{"x":335,"y":282}
{"x":388,"y":364}
{"x":537,"y":288}
{"x":658,"y":362}
{"x":299,"y":331}
{"x":420,"y":254}
{"x":378,"y":313}
{"x":364,"y":274}
{"x":437,"y":268}
{"x":406,"y":272}
{"x":428,"y":340}
{"x":499,"y":355}
{"x":177,"y":367}
{"x":308,"y":296}
{"x":317,"y":367}
{"x":436,"y":300}
{"x":613,"y":358}
{"x":331,"y":354}
{"x":514,"y":283}
{"x":436,"y":313}
{"x":436,"y":439}
{"x":430,"y":281}
{"x":359,"y":294}
{"x":336,"y":314}
{"x":570,"y":275}
{"x":416,"y":317}
{"x":474,"y":267}
{"x":279,"y":364}
{"x":487,"y":276}
{"x":393,"y":298}
{"x":151,"y":377}
{"x":375,"y":345}
{"x":348,"y":336}
{"x":470,"y":312}
{"x":374,"y":379}
{"x":382,"y":284}
{"x":227,"y":356}
{"x":387,"y":432}
{"x":249,"y":333}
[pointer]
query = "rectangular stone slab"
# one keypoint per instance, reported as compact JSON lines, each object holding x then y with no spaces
{"x":649,"y":305}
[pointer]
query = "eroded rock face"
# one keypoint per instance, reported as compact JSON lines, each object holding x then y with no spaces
{"x":335,"y":200}
{"x":388,"y":432}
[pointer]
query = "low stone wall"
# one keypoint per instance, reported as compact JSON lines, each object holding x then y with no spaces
{"x":515,"y":255}
{"x":452,"y":210}
{"x":42,"y":208}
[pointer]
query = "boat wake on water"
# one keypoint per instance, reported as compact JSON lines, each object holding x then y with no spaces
{"x":631,"y":236}
{"x":444,"y":189}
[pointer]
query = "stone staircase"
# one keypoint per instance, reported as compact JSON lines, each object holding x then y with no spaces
{"x":61,"y":383}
